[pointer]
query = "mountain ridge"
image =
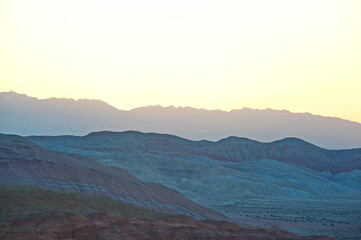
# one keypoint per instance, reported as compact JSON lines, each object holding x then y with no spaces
{"x":230,"y":149}
{"x":24,"y":115}
{"x":13,"y":93}
{"x":242,"y":140}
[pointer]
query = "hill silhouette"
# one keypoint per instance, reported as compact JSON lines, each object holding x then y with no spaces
{"x":24,"y":115}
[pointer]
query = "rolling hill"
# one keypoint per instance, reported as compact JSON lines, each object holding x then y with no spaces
{"x":25,"y":163}
{"x":47,"y":194}
{"x":224,"y":171}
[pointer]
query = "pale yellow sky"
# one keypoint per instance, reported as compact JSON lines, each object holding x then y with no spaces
{"x":304,"y":56}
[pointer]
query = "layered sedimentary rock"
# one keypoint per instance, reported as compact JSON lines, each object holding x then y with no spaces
{"x":25,"y":163}
{"x":109,"y":226}
{"x":219,"y":172}
{"x":30,"y":212}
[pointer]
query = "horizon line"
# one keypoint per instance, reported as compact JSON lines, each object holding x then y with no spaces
{"x":176,"y":107}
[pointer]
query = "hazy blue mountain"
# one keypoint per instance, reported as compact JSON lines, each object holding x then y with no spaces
{"x":23,"y":115}
{"x":208,"y":173}
{"x":352,"y":179}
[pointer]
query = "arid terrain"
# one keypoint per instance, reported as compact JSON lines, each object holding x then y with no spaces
{"x":29,"y":212}
{"x":339,"y":218}
{"x":180,"y":120}
{"x":229,"y":180}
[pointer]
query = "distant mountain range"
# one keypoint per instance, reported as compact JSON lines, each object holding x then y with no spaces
{"x":24,"y":115}
{"x":224,"y":171}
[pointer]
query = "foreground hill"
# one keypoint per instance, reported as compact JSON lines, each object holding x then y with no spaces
{"x":29,"y":212}
{"x":29,"y":201}
{"x":25,"y":163}
{"x":23,"y":115}
{"x":224,"y":171}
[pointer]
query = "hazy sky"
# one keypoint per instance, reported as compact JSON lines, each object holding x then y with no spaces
{"x":304,"y":56}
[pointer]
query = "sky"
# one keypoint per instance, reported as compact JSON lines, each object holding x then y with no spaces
{"x":303,"y":56}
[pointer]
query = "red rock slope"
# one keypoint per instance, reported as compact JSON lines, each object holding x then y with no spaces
{"x":109,"y":226}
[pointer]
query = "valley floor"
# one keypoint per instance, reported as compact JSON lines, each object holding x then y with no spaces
{"x":338,"y":218}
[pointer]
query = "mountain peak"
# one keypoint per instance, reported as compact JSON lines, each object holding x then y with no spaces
{"x":239,"y":140}
{"x":113,"y":133}
{"x":294,"y":141}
